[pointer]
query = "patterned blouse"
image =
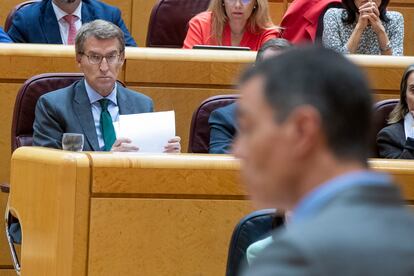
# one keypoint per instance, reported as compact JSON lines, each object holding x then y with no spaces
{"x":336,"y":33}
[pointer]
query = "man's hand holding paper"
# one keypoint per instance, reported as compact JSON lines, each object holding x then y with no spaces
{"x":147,"y":133}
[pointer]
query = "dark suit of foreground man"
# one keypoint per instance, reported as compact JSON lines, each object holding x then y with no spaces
{"x":37,"y":23}
{"x":304,"y":120}
{"x":100,"y":54}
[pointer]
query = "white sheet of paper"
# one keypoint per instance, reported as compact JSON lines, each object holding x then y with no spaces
{"x":148,"y":131}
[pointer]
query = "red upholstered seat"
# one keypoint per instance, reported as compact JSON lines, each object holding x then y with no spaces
{"x":168,"y":23}
{"x":24,"y":108}
{"x":11,"y":14}
{"x":200,"y":130}
{"x":382,"y":110}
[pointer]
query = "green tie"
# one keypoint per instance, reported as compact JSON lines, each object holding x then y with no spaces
{"x":107,"y":127}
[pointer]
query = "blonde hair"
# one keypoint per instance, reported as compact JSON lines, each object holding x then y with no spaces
{"x":401,"y":109}
{"x":258,"y":21}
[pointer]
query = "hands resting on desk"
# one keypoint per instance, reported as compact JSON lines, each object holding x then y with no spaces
{"x":124,"y":145}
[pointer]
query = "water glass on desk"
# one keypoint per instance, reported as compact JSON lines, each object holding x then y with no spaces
{"x":72,"y":141}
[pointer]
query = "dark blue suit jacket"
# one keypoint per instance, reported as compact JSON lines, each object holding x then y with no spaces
{"x":223,"y":128}
{"x":37,"y":23}
{"x":4,"y":37}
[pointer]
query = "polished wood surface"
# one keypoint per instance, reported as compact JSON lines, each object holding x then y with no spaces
{"x":158,"y":214}
{"x":402,"y":171}
{"x":116,"y":214}
{"x":7,"y":272}
{"x":51,"y":200}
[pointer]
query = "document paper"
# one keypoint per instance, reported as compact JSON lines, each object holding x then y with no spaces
{"x":150,"y":132}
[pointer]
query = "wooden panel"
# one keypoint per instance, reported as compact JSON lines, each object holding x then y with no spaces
{"x":6,"y":7}
{"x":185,"y":67}
{"x":51,"y":201}
{"x":401,"y":170}
{"x":384,"y":78}
{"x":167,"y":175}
{"x":7,"y":272}
{"x":141,"y":11}
{"x":163,"y":237}
{"x":15,"y":66}
{"x":8,"y":92}
{"x":277,"y":9}
{"x":126,"y":10}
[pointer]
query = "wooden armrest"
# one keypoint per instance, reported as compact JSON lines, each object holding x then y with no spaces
{"x":5,"y":187}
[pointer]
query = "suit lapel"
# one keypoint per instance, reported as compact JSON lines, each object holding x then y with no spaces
{"x":49,"y":24}
{"x":87,"y":12}
{"x":125,"y":106}
{"x":82,"y":108}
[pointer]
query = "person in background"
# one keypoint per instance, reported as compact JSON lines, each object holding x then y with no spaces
{"x":222,"y":121}
{"x":397,"y":140}
{"x":303,"y":144}
{"x":4,"y":38}
{"x":244,"y":23}
{"x":57,"y":21}
{"x":300,"y":23}
{"x":364,"y":27}
{"x":91,"y":105}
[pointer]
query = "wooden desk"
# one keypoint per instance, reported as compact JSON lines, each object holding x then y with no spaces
{"x":403,"y":173}
{"x":118,"y":214}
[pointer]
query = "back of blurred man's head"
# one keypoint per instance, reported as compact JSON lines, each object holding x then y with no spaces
{"x":303,"y":112}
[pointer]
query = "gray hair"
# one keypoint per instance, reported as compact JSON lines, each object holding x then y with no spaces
{"x":100,"y":29}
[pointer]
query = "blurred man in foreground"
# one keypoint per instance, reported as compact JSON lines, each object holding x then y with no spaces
{"x":304,"y":120}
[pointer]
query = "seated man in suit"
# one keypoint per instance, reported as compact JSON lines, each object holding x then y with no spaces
{"x":222,"y":120}
{"x":4,"y":38}
{"x":303,"y":142}
{"x":57,"y":21}
{"x":90,"y":106}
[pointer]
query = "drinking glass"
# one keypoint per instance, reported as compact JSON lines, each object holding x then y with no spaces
{"x":72,"y":141}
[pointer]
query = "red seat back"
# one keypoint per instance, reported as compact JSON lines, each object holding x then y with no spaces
{"x":24,"y":108}
{"x":200,"y":130}
{"x":168,"y":23}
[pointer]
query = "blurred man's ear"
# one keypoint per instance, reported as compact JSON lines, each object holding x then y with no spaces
{"x":305,"y":129}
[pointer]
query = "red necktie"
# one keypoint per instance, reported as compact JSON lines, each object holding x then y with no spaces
{"x":70,"y":18}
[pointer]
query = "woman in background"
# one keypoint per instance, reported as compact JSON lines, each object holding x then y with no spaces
{"x":397,"y":139}
{"x":364,"y":27}
{"x":244,"y":23}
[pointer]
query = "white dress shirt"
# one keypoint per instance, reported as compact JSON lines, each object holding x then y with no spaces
{"x":409,"y":125}
{"x":63,"y":25}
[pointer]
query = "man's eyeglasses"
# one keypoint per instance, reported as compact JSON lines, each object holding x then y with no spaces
{"x":97,"y":59}
{"x":233,"y":2}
